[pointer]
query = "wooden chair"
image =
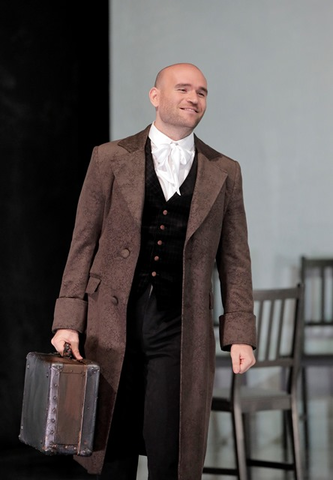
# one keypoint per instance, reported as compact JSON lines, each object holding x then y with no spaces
{"x":317,"y":346}
{"x":279,"y":327}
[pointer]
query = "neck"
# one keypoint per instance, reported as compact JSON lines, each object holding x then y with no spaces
{"x":174,"y":133}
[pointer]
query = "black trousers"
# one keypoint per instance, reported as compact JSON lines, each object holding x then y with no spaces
{"x":146,"y":416}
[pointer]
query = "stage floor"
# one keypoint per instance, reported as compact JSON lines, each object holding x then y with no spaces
{"x":25,"y":463}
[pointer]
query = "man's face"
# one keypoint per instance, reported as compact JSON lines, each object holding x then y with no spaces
{"x":180,"y":99}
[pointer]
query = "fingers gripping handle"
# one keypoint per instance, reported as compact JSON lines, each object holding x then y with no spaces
{"x":68,"y":351}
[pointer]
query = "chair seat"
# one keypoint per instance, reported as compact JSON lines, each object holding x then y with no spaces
{"x":252,"y":399}
{"x":317,"y":359}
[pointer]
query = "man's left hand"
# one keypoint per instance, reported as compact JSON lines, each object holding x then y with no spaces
{"x":242,"y":357}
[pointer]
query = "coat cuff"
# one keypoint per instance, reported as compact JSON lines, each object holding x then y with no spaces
{"x":237,"y":328}
{"x":70,"y":313}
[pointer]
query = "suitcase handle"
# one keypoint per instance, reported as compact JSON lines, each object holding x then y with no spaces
{"x":68,"y":351}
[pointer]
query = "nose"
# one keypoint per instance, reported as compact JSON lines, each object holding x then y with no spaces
{"x":192,"y":96}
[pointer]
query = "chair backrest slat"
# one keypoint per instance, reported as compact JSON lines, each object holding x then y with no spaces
{"x":322,"y":282}
{"x":281,"y":317}
{"x":270,"y":329}
{"x":279,"y":328}
{"x":317,"y":277}
{"x":259,"y":319}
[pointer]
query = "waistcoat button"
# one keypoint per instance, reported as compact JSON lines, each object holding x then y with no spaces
{"x":162,"y":227}
{"x":153,"y":274}
{"x":114,"y":300}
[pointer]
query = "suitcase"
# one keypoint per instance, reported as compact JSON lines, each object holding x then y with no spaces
{"x":59,"y":404}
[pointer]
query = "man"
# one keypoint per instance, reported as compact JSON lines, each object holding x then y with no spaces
{"x":156,"y":211}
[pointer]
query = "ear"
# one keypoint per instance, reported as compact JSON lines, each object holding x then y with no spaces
{"x":154,"y":96}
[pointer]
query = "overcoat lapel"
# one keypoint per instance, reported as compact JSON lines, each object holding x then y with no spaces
{"x":210,"y":179}
{"x":129,"y":171}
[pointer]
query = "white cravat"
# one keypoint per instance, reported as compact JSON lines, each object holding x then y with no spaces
{"x":172,"y":160}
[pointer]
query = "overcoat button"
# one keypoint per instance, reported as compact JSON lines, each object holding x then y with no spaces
{"x":162,"y":227}
{"x":125,"y":253}
{"x":153,"y":274}
{"x":114,"y":300}
{"x":165,"y":212}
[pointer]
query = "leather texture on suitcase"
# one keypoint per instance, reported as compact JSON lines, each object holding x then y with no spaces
{"x":59,"y":404}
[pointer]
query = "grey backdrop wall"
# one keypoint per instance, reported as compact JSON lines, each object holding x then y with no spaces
{"x":270,"y":106}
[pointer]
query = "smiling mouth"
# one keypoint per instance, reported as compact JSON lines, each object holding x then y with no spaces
{"x":188,"y":109}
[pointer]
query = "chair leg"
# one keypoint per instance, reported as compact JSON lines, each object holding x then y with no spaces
{"x":286,"y":428}
{"x":247,"y":429}
{"x":239,"y":442}
{"x":295,"y":441}
{"x":304,"y":389}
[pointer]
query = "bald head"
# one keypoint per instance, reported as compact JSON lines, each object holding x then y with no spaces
{"x":176,"y":67}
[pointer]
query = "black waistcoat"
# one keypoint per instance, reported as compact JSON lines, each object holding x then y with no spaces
{"x":163,"y":232}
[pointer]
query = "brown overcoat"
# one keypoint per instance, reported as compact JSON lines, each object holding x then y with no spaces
{"x":99,"y":272}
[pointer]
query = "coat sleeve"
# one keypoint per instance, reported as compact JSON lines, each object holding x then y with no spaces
{"x":237,"y":324}
{"x":71,"y":306}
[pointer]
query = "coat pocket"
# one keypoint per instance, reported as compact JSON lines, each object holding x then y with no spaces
{"x":92,"y":285}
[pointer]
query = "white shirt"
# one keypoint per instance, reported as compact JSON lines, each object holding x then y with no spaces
{"x":172,"y":160}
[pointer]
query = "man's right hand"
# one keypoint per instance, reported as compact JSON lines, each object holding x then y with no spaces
{"x":66,"y":335}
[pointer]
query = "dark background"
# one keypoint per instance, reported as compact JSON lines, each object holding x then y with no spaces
{"x":54,"y":107}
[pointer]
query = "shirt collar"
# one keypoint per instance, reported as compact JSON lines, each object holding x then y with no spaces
{"x":158,"y":138}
